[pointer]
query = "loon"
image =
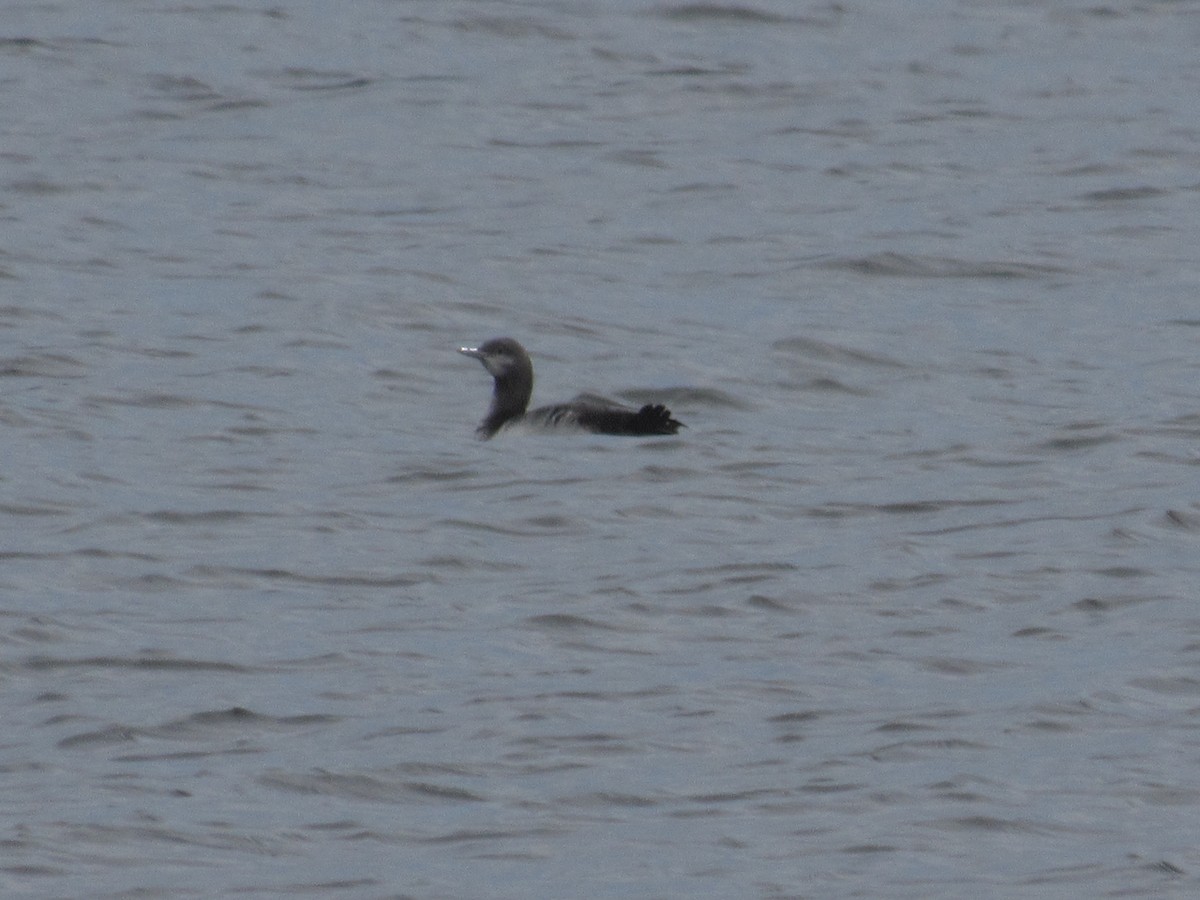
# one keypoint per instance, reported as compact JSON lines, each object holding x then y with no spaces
{"x":510,"y":365}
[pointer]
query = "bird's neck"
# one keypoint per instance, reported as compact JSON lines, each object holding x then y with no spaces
{"x":509,"y":401}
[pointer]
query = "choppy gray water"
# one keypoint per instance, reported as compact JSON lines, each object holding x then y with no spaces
{"x":910,"y":608}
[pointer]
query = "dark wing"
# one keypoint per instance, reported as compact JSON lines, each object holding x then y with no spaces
{"x":613,"y":419}
{"x":652,"y":419}
{"x":589,"y":412}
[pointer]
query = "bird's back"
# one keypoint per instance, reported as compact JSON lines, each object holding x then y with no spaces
{"x":601,"y":416}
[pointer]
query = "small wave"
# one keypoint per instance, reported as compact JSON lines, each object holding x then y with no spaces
{"x":41,"y":663}
{"x":288,"y":576}
{"x":1123,"y":195}
{"x":41,"y":365}
{"x":903,"y":265}
{"x":567,"y":621}
{"x":736,"y":14}
{"x":824,"y":351}
{"x":363,"y":787}
{"x":1078,"y":442}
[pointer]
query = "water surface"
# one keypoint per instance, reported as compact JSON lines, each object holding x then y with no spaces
{"x":907,"y":610}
